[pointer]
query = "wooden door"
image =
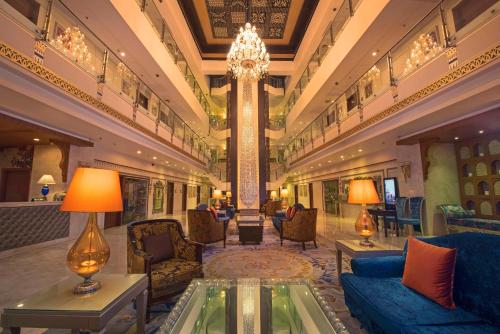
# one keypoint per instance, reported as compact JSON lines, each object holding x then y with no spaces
{"x":311,"y":197}
{"x":198,"y":195}
{"x":296,"y":193}
{"x":184,"y":197}
{"x":170,"y":198}
{"x":15,"y":185}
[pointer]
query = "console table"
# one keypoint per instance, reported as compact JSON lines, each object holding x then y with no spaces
{"x":58,"y":307}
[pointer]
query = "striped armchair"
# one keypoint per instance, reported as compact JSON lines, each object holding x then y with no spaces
{"x":169,"y":277}
{"x":301,"y":227}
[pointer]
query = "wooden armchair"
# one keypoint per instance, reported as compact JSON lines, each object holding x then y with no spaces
{"x":301,"y":227}
{"x":169,"y":277}
{"x":204,"y":229}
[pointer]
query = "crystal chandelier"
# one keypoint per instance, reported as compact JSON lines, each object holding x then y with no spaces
{"x":424,"y":49}
{"x":248,"y":58}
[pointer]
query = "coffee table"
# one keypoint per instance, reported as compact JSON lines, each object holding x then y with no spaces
{"x":355,"y":250}
{"x":58,"y":307}
{"x":250,"y":228}
{"x":252,"y":306}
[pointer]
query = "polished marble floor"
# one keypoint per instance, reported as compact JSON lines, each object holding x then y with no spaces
{"x":30,"y":269}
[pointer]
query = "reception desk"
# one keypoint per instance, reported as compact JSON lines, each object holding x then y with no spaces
{"x":28,"y":223}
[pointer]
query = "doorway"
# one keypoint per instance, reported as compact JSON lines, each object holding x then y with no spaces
{"x":170,"y":198}
{"x":198,"y":195}
{"x":331,"y":195}
{"x":311,"y":198}
{"x":135,"y":199}
{"x":184,"y":197}
{"x":15,"y":184}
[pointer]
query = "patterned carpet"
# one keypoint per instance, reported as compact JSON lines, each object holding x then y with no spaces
{"x":267,"y":260}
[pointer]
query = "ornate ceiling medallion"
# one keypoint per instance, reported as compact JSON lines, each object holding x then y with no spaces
{"x":248,"y":58}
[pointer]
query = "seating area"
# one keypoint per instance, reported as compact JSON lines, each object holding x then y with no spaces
{"x":249,"y":166}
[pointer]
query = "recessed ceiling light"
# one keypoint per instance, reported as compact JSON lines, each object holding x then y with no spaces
{"x":167,"y":162}
{"x":154,"y":158}
{"x":319,"y":165}
{"x":360,"y":150}
{"x":374,"y":53}
{"x":329,"y":161}
{"x":311,"y":167}
{"x":36,"y":139}
{"x":456,"y":138}
{"x":481,"y":132}
{"x":342,"y":157}
{"x":122,"y":54}
{"x":139,"y":152}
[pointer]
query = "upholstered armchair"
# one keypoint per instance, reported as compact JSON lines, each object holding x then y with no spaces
{"x":301,"y":227}
{"x":167,"y":277}
{"x":204,"y":229}
{"x":271,"y":208}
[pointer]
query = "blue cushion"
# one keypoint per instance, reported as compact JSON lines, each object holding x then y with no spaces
{"x":408,"y":221}
{"x":383,"y":266}
{"x":277,"y":223}
{"x":454,"y":329}
{"x":484,"y":224}
{"x":395,"y":306}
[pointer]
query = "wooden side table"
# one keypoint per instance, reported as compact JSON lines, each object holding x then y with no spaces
{"x":355,"y":250}
{"x":58,"y":307}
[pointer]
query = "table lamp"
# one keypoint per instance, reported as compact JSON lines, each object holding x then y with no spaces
{"x":363,"y":192}
{"x":228,"y":197}
{"x":91,"y":190}
{"x":274,"y":194}
{"x":217,"y":195}
{"x":284,"y":198}
{"x":46,"y":179}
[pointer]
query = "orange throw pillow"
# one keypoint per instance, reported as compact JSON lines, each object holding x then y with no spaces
{"x":429,"y":270}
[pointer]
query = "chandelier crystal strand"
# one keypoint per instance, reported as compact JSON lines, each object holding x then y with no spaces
{"x":248,"y":167}
{"x":248,"y":58}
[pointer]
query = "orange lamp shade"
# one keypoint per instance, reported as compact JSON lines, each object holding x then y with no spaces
{"x":217,"y":194}
{"x":362,"y":192}
{"x":93,"y":190}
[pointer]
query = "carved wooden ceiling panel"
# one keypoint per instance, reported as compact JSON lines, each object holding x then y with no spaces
{"x":280,"y":23}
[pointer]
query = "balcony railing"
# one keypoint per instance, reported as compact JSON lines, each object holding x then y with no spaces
{"x":276,"y":123}
{"x":425,"y":41}
{"x":344,"y":12}
{"x":148,"y":7}
{"x":69,"y":37}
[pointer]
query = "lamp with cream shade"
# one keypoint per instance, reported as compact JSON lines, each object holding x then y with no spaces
{"x":274,"y":194}
{"x":46,"y":179}
{"x":363,"y":192}
{"x":91,"y":190}
{"x":217,"y":195}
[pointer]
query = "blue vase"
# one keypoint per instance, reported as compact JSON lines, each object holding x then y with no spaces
{"x":45,"y":190}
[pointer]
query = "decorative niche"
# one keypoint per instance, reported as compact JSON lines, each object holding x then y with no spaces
{"x":478,"y":160}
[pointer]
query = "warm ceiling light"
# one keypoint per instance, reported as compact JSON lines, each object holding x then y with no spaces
{"x":456,"y":138}
{"x":329,"y":161}
{"x":122,"y":54}
{"x":342,"y":157}
{"x":360,"y":150}
{"x":374,"y":53}
{"x":36,"y":139}
{"x":311,"y":167}
{"x":154,"y":158}
{"x":139,"y":152}
{"x":481,"y":132}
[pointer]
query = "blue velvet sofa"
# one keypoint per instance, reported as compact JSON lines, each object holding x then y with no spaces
{"x":375,"y":295}
{"x":458,"y":219}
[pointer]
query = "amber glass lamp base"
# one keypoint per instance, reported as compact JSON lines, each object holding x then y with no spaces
{"x":365,"y":227}
{"x":88,"y":255}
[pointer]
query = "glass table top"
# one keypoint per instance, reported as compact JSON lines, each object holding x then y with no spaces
{"x":252,"y":306}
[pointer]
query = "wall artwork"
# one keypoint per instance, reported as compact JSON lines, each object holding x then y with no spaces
{"x":158,"y":196}
{"x":376,"y":176}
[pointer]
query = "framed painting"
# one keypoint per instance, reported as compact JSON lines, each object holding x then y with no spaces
{"x":158,"y":196}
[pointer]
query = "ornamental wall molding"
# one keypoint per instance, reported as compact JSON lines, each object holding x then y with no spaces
{"x":25,"y":62}
{"x":457,"y":74}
